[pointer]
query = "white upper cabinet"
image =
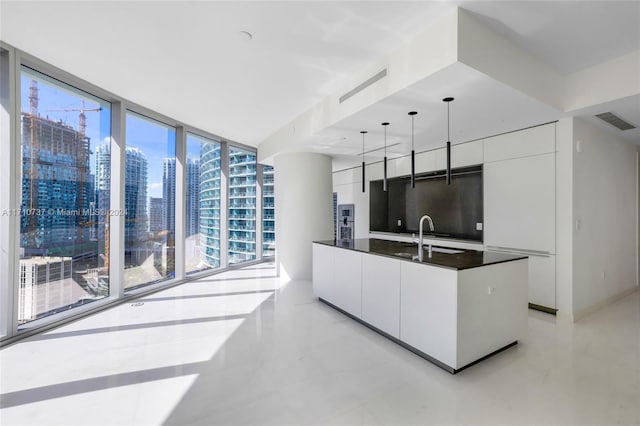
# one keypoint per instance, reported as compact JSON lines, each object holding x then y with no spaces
{"x":462,"y":155}
{"x":523,"y":143}
{"x":425,"y":162}
{"x":375,"y":171}
{"x":520,"y":203}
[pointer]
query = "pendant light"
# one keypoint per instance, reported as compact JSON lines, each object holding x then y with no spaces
{"x":448,"y":101}
{"x":413,"y":153}
{"x":363,"y":133}
{"x":384,"y":182}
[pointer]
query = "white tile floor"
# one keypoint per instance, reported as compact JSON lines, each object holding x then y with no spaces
{"x":244,"y":347}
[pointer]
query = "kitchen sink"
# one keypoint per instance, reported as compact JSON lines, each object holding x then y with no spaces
{"x":443,"y":250}
{"x":407,"y":255}
{"x":446,"y":250}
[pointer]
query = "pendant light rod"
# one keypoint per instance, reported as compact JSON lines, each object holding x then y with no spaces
{"x":448,"y":101}
{"x":413,"y":152}
{"x":363,"y":132}
{"x":384,"y":181}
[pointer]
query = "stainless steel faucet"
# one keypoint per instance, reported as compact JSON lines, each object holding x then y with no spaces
{"x":420,"y":236}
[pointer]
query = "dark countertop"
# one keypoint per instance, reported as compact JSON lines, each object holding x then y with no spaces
{"x":404,"y":250}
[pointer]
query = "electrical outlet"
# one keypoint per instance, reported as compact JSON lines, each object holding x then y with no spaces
{"x":490,"y":290}
{"x":578,"y":224}
{"x":604,"y":275}
{"x":399,"y":222}
{"x":479,"y":226}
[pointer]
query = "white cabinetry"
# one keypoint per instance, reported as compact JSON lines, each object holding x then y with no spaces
{"x":490,"y":319}
{"x":425,"y":162}
{"x":428,"y":310}
{"x":542,"y":280}
{"x":323,"y":271}
{"x":452,"y":317}
{"x":523,"y":143}
{"x":381,"y":293}
{"x":462,"y":155}
{"x":347,"y":280}
{"x":520,"y":203}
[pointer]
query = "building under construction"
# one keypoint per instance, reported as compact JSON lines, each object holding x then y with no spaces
{"x":56,"y":185}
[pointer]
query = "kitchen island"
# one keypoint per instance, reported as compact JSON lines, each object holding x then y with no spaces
{"x":454,"y":308}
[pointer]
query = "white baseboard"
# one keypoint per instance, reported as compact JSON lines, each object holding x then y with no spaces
{"x":591,"y":309}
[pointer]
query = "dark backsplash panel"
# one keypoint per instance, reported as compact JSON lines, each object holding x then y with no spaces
{"x":456,"y":209}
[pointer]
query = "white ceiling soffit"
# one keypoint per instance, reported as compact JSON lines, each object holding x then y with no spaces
{"x":566,"y":35}
{"x":506,"y":86}
{"x":188,"y":60}
{"x":627,"y":109}
{"x":482,"y":107}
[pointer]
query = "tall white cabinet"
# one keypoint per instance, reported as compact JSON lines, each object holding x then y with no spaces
{"x":520,"y":204}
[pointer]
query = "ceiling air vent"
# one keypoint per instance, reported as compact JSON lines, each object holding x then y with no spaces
{"x":360,"y":87}
{"x":615,"y":121}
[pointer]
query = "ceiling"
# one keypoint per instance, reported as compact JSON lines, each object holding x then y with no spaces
{"x":481,"y":107}
{"x":188,"y":60}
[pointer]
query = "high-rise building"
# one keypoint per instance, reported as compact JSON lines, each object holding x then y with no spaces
{"x":135,"y":195}
{"x":242,"y":205}
{"x":102,"y":186}
{"x":210,"y":204}
{"x":193,"y":197}
{"x":56,"y":185}
{"x":169,"y":195}
{"x":268,"y":213}
{"x":156,"y":214}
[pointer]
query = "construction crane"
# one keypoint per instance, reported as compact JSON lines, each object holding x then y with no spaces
{"x":34,"y":154}
{"x":82,"y":119}
{"x":82,"y":149}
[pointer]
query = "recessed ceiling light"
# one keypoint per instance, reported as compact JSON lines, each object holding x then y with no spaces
{"x":245,"y":35}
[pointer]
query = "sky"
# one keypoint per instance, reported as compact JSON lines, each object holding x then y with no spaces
{"x":155,"y":139}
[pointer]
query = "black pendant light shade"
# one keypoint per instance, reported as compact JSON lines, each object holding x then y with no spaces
{"x":413,"y":153}
{"x":448,"y":101}
{"x":363,"y":183}
{"x":384,"y":181}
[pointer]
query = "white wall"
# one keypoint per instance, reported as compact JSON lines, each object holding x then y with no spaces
{"x":303,"y":201}
{"x":605,"y":190}
{"x":564,"y":218}
{"x":597,"y":186}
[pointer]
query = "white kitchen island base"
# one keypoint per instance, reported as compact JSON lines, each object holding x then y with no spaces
{"x":451,"y":316}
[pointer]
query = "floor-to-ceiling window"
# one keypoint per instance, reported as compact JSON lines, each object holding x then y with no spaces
{"x":268,"y":213}
{"x":242,"y":205}
{"x":150,"y":174}
{"x":202,"y":204}
{"x":7,"y":222}
{"x":63,"y":249}
{"x":61,"y":238}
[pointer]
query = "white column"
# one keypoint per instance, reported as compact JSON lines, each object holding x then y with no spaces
{"x":304,"y":211}
{"x":180,"y":198}
{"x":10,"y":174}
{"x":117,"y":204}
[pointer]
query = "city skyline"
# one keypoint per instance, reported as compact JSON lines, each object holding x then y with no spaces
{"x":52,"y":97}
